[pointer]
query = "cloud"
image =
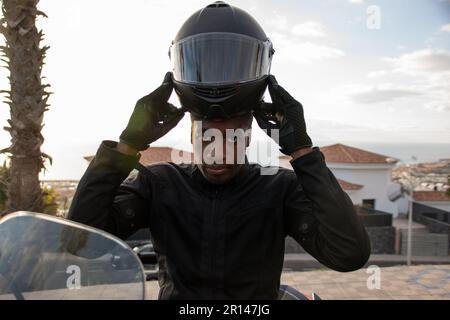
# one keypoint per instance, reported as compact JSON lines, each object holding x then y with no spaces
{"x":439,"y":106}
{"x":303,"y":51}
{"x":290,"y":48}
{"x":309,"y":29}
{"x":428,"y":71}
{"x":377,"y":74}
{"x":356,"y":1}
{"x":422,"y":61}
{"x":308,"y":52}
{"x":378,"y":94}
{"x":446,"y":28}
{"x":278,"y":22}
{"x":331,"y":131}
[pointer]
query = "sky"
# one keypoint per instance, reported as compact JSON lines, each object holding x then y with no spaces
{"x":364,"y":71}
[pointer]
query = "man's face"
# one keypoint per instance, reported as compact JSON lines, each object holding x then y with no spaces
{"x":219,"y":146}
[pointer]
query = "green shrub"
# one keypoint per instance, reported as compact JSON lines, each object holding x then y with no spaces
{"x":50,"y":197}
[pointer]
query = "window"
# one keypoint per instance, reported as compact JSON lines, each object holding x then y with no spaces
{"x":368,"y":203}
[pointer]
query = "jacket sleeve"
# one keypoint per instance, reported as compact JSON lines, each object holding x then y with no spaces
{"x":320,"y":216}
{"x":107,"y":199}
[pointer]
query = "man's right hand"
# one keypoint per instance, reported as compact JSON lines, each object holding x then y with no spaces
{"x":152,"y":117}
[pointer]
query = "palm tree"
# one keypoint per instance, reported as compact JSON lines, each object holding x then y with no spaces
{"x":27,"y":99}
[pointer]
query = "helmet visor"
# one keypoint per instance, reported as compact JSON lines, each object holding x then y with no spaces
{"x":220,"y":58}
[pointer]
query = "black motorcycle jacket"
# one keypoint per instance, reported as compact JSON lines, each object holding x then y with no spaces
{"x":223,"y":241}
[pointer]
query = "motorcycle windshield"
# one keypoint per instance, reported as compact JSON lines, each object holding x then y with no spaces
{"x":43,"y":257}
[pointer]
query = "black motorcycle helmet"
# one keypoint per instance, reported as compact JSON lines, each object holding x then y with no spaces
{"x":221,"y":60}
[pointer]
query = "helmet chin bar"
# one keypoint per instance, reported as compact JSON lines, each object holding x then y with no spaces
{"x":216,"y":111}
{"x":221,"y":101}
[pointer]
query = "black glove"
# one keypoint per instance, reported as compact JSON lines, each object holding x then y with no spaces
{"x":152,"y":117}
{"x":286,"y":115}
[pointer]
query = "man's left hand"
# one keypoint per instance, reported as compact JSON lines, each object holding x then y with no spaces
{"x":286,"y":115}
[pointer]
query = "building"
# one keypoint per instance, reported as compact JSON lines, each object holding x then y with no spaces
{"x":364,"y":175}
{"x":426,"y":176}
{"x":435,"y":199}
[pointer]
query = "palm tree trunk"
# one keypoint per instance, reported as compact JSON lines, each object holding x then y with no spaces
{"x":28,"y":102}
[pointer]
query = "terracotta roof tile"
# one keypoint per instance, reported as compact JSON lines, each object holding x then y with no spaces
{"x":161,"y":154}
{"x":165,"y":154}
{"x":430,"y":196}
{"x":346,"y":154}
{"x":348,"y":185}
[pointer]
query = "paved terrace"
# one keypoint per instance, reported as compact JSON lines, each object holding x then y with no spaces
{"x":401,"y":282}
{"x":304,"y":262}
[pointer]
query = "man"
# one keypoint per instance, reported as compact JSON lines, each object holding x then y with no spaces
{"x":219,"y":226}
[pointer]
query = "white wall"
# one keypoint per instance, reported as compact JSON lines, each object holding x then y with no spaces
{"x":374,"y":178}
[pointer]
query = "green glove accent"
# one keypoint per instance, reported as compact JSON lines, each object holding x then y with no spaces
{"x":152,"y":117}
